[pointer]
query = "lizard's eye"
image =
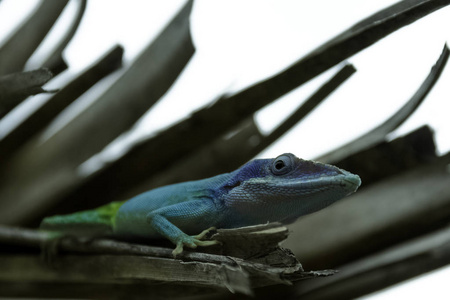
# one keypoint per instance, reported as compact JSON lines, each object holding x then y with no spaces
{"x":281,"y":165}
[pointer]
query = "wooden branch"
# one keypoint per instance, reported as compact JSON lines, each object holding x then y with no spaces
{"x":114,"y":262}
{"x":309,"y":105}
{"x":391,"y":158}
{"x":51,"y":167}
{"x":14,"y":88}
{"x":378,"y":134}
{"x":39,"y":119}
{"x":383,"y":269}
{"x":107,"y":291}
{"x":19,"y":47}
{"x":117,"y":269}
{"x":55,"y":61}
{"x":374,"y":218}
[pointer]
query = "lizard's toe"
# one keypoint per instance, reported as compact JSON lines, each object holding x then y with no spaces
{"x":191,"y":244}
{"x":207,"y":243}
{"x":202,"y":234}
{"x":186,"y":241}
{"x":193,"y":241}
{"x":178,"y":249}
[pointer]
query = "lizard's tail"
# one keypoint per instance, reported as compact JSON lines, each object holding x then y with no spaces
{"x":99,"y":221}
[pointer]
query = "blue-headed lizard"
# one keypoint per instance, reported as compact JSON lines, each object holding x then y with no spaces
{"x":263,"y":190}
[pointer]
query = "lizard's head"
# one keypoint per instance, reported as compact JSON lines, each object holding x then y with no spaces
{"x":286,"y":187}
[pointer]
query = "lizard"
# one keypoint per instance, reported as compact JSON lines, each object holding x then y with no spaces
{"x":280,"y":189}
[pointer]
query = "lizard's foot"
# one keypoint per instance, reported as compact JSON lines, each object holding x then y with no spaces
{"x":193,"y":242}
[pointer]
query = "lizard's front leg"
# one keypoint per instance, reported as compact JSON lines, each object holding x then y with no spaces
{"x":190,"y":212}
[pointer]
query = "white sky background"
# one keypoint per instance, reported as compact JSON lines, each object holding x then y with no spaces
{"x":240,"y":42}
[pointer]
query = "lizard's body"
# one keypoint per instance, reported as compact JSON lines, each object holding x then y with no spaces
{"x":263,"y":190}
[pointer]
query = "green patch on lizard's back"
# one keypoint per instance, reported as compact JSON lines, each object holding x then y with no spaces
{"x":88,"y":222}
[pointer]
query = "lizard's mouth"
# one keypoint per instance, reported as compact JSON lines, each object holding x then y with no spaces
{"x":345,"y":184}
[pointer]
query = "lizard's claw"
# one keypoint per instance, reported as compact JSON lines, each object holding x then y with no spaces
{"x":178,"y":249}
{"x":193,"y":242}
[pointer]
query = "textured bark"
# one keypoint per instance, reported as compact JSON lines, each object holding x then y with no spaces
{"x":252,"y":258}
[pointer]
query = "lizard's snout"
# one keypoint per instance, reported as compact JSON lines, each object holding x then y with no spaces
{"x":350,"y":182}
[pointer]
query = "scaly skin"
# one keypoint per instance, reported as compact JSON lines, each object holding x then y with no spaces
{"x":264,"y":190}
